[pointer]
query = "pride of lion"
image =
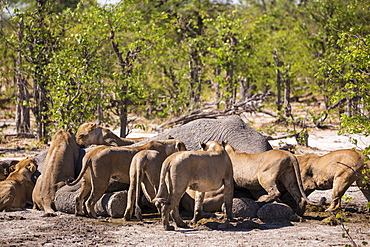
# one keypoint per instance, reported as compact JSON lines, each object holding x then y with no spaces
{"x":164,"y":172}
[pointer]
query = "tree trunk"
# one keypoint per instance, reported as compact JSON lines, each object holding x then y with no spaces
{"x":126,"y":70}
{"x":278,"y":87}
{"x":232,"y":90}
{"x":287,"y":106}
{"x":22,"y":111}
{"x":278,"y":64}
{"x":123,"y":120}
{"x":39,"y":49}
{"x":243,"y":89}
{"x":195,"y":78}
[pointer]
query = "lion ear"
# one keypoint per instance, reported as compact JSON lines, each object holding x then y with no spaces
{"x":180,"y":146}
{"x":14,"y":162}
{"x":93,"y":126}
{"x":202,"y":145}
{"x":177,"y":146}
{"x":70,"y":131}
{"x":170,"y":137}
{"x":224,"y":143}
{"x":33,"y":161}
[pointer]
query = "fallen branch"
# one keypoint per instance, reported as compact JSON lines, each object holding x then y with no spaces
{"x":269,"y":138}
{"x":19,"y":135}
{"x":252,"y":104}
{"x":191,"y":117}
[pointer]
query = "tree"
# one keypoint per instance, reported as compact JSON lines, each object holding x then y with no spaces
{"x":331,"y":19}
{"x":33,"y":42}
{"x":75,"y":70}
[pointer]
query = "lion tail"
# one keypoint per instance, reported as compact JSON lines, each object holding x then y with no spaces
{"x":162,"y":184}
{"x":86,"y":163}
{"x":297,"y":171}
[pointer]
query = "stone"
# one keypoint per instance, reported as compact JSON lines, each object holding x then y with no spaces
{"x":109,"y":205}
{"x":244,"y":208}
{"x":275,"y":211}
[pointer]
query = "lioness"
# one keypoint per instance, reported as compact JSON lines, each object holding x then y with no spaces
{"x":203,"y":170}
{"x":145,"y":171}
{"x":89,"y":134}
{"x":2,"y":173}
{"x":264,"y":170}
{"x":16,"y":189}
{"x":105,"y":162}
{"x":336,"y":170}
{"x":6,"y":167}
{"x":59,"y":165}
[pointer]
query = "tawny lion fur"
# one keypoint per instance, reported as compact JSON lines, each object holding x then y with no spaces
{"x":336,"y":170}
{"x":203,"y":170}
{"x":105,"y":162}
{"x":92,"y":134}
{"x":59,"y":165}
{"x":263,"y":171}
{"x":16,"y":189}
{"x":145,"y":171}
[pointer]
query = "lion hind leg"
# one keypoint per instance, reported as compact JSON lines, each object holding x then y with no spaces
{"x":173,"y":207}
{"x":90,"y":203}
{"x":131,"y":192}
{"x":7,"y":203}
{"x":340,"y":186}
{"x":177,"y":218}
{"x":99,"y":184}
{"x":228,"y":197}
{"x":166,"y":209}
{"x":269,"y":184}
{"x":290,"y":183}
{"x":49,"y":210}
{"x":80,"y":199}
{"x":198,"y":208}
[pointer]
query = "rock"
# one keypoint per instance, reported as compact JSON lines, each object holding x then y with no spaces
{"x":115,"y":185}
{"x":110,"y":205}
{"x":65,"y":198}
{"x":244,"y":208}
{"x":275,"y":211}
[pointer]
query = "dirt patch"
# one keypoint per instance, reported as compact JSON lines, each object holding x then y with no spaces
{"x":30,"y":228}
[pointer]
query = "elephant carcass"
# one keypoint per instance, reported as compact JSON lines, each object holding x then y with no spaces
{"x":231,"y":129}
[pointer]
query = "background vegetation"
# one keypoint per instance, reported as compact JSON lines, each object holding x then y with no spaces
{"x":68,"y":62}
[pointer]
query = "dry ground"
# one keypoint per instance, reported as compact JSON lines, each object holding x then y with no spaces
{"x":30,"y":228}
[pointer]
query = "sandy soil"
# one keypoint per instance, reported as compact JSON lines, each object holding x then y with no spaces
{"x":29,"y":227}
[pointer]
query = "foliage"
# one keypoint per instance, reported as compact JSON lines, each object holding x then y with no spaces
{"x":166,"y":58}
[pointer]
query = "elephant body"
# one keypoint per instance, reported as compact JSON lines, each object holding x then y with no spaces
{"x":231,"y":129}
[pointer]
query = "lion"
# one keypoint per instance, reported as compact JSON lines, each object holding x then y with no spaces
{"x":264,"y":170}
{"x":145,"y":170}
{"x":6,"y":167}
{"x":2,"y":173}
{"x":202,"y":170}
{"x":105,"y":162}
{"x":336,"y":170}
{"x":16,"y":189}
{"x":92,"y":134}
{"x":59,"y":165}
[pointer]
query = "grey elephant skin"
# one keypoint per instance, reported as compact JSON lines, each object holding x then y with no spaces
{"x":231,"y":129}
